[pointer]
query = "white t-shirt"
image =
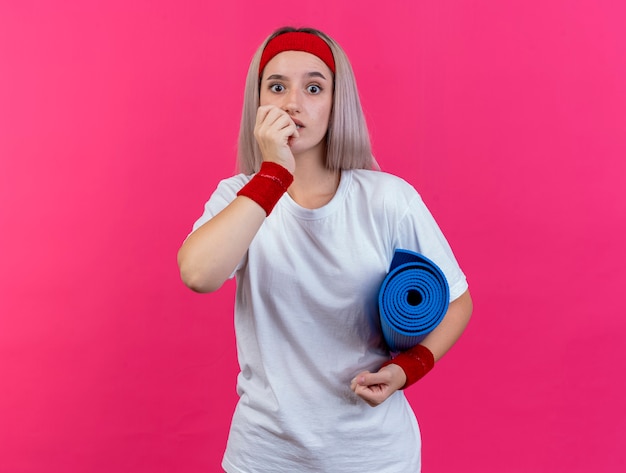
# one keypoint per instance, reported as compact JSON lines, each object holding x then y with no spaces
{"x":306,"y":321}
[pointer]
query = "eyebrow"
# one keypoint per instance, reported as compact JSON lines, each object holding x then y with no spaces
{"x":285,"y":78}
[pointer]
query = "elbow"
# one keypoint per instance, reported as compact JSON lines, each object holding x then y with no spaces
{"x":198,"y":283}
{"x":197,"y":279}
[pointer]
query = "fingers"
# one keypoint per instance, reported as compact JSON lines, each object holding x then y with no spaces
{"x":358,"y":380}
{"x":272,"y":122}
{"x":274,"y":129}
{"x":373,"y":388}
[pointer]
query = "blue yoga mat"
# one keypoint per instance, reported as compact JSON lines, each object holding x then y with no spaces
{"x":412,"y":300}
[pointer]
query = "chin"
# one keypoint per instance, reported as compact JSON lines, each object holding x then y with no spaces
{"x":302,"y":148}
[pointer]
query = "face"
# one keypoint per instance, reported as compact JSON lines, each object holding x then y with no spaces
{"x":301,"y":84}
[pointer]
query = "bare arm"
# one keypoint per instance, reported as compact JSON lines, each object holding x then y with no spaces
{"x":210,"y":254}
{"x":375,"y":388}
{"x":440,"y":340}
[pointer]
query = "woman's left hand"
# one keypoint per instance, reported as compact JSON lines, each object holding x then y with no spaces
{"x":375,"y":388}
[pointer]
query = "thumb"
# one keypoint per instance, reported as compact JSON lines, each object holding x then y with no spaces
{"x":370,"y":379}
{"x":366,"y":378}
{"x":358,"y":380}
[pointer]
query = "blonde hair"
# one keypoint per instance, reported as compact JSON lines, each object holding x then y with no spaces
{"x":347,"y":140}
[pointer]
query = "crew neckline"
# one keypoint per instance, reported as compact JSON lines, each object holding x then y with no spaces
{"x":312,"y":214}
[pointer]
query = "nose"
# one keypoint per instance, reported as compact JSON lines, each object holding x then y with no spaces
{"x":292,"y":101}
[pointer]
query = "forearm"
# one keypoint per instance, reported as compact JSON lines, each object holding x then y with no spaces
{"x":440,"y":340}
{"x":417,"y":361}
{"x":210,"y":254}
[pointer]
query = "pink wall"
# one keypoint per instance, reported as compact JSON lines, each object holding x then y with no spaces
{"x":118,"y":118}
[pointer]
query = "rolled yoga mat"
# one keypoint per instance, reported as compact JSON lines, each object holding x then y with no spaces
{"x":413,"y":298}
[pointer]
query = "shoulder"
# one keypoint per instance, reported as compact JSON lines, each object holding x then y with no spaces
{"x":227,"y":188}
{"x":379,"y":179}
{"x":224,"y":194}
{"x":383,"y":185}
{"x":383,"y":196}
{"x":232,"y":185}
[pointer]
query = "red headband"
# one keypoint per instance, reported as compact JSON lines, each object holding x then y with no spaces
{"x":297,"y":41}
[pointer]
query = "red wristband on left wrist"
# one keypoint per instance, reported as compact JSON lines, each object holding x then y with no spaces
{"x":415,"y":362}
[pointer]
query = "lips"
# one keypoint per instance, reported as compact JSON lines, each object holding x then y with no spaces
{"x":298,"y":123}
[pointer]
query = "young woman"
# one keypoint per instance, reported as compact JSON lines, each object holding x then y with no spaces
{"x":309,"y":229}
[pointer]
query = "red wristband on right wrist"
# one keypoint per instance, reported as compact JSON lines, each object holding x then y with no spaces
{"x":415,"y":362}
{"x":268,"y":185}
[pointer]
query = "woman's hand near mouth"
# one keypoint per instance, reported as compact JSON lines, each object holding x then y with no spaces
{"x":274,"y":129}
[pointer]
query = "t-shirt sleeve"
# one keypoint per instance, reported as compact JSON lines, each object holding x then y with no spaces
{"x":223,"y":195}
{"x":418,"y":231}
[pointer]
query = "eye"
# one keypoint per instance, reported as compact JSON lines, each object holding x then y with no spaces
{"x":277,"y":88}
{"x":314,"y":89}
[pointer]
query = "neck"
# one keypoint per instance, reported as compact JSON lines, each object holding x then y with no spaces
{"x":313,"y":185}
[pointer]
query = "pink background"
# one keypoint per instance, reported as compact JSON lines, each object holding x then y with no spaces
{"x":118,"y":118}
